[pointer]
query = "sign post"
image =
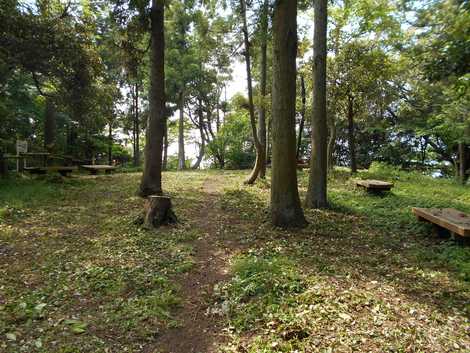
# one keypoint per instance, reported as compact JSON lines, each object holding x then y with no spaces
{"x":21,"y":147}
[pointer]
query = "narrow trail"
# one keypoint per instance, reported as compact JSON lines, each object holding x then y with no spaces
{"x":200,"y":332}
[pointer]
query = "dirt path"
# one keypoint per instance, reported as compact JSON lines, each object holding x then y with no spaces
{"x":201,"y":332}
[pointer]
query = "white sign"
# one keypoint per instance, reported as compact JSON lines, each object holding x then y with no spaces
{"x":21,"y":146}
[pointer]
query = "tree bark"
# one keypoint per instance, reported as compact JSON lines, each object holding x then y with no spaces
{"x":136,"y":128}
{"x":158,"y":211}
{"x":260,"y":154}
{"x":200,"y":156}
{"x":268,"y":142}
{"x":285,"y":202}
{"x":151,"y":183}
{"x":50,"y":126}
{"x":317,"y":186}
{"x":331,"y":140}
{"x":302,"y":115}
{"x":110,"y":143}
{"x":462,"y":163}
{"x":181,"y":156}
{"x":263,"y":84}
{"x":165,"y":147}
{"x":351,"y":137}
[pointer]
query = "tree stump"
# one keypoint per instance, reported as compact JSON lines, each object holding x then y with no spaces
{"x":158,"y":211}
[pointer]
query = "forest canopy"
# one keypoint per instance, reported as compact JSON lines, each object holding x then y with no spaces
{"x":74,"y":80}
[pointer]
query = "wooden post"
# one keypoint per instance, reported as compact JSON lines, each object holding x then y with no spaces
{"x":20,"y":163}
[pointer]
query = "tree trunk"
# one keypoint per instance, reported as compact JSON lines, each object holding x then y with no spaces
{"x":136,"y":128}
{"x":259,"y":150}
{"x":462,"y":163}
{"x":351,"y":137}
{"x":158,"y":211}
{"x":424,"y":146}
{"x":151,"y":183}
{"x":268,"y":142}
{"x":181,"y":156}
{"x":285,"y":202}
{"x":302,"y":115}
{"x":50,"y":126}
{"x":165,"y":147}
{"x":217,"y":107}
{"x":464,"y":156}
{"x":110,"y":143}
{"x":263,"y":83}
{"x":203,"y":139}
{"x":331,"y":140}
{"x":316,"y":193}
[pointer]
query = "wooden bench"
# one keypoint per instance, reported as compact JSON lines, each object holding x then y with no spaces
{"x":95,"y":168}
{"x":448,"y":218}
{"x":62,"y":170}
{"x":375,"y":185}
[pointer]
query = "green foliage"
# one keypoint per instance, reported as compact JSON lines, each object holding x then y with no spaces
{"x":234,"y":141}
{"x":259,"y":286}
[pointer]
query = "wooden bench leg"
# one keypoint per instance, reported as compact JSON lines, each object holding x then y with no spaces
{"x":440,"y":232}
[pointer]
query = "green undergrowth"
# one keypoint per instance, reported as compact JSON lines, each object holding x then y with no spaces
{"x":261,"y":284}
{"x":365,"y":275}
{"x":77,"y":275}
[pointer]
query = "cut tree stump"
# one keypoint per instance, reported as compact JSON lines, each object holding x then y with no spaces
{"x":158,"y":211}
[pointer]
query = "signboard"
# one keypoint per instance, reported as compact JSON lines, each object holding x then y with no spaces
{"x":21,"y":146}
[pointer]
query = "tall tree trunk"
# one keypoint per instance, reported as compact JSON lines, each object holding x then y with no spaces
{"x":268,"y":141}
{"x":461,"y":169}
{"x":331,"y":140}
{"x":151,"y":183}
{"x":302,"y":115}
{"x":165,"y":148}
{"x":263,"y":84}
{"x":136,"y":127}
{"x":217,"y":106}
{"x":285,"y":202}
{"x":181,"y":156}
{"x":317,"y":185}
{"x":424,"y":146}
{"x":351,"y":137}
{"x":259,"y":150}
{"x":202,"y":147}
{"x":464,"y":157}
{"x":110,"y":143}
{"x":50,"y":126}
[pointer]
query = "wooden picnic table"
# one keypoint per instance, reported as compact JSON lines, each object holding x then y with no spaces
{"x":95,"y":168}
{"x":451,"y":219}
{"x":62,"y":170}
{"x":374,"y":185}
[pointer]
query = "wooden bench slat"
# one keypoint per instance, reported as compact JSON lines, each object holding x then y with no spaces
{"x":98,"y":167}
{"x":449,"y":218}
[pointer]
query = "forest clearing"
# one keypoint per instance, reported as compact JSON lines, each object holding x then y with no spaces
{"x":365,"y":275}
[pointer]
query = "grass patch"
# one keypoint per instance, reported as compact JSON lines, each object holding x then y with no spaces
{"x":259,"y":286}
